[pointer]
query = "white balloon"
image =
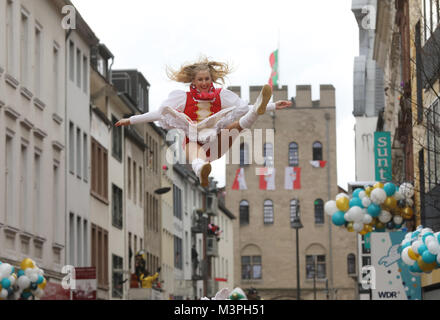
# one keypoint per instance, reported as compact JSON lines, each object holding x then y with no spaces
{"x":385,"y":216}
{"x":38,"y":293}
{"x":429,"y":239}
{"x":362,"y":195}
{"x":358,"y":226}
{"x":397,"y":220}
{"x":330,"y":207}
{"x":366,"y":202}
{"x":406,"y":258}
{"x":407,"y":190}
{"x":342,"y":195}
{"x":12,"y":280}
{"x":4,"y":293}
{"x":399,"y":196}
{"x":41,"y":272}
{"x":357,"y":214}
{"x":23,"y":282}
{"x":33,"y":278}
{"x":408,"y":236}
{"x":415,"y":246}
{"x":28,"y":272}
{"x":438,"y":259}
{"x":367,"y":219}
{"x":348,"y":217}
{"x":378,"y":196}
{"x":5,"y":270}
{"x":433,"y":247}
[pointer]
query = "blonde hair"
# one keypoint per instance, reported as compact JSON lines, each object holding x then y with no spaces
{"x":187,"y":72}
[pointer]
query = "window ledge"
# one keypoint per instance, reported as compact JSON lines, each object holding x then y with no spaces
{"x":25,"y":92}
{"x":9,"y":111}
{"x":39,"y":104}
{"x":26,"y":236}
{"x":40,"y":133}
{"x":39,"y":241}
{"x":1,"y":71}
{"x":57,"y":246}
{"x":11,"y":81}
{"x":57,"y":145}
{"x":11,"y":231}
{"x":27,"y":124}
{"x":2,"y":104}
{"x":57,"y":118}
{"x":100,"y":198}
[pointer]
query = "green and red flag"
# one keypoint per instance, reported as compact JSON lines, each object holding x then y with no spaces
{"x":273,"y":81}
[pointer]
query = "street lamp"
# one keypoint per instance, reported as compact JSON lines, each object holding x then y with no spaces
{"x":296,"y":224}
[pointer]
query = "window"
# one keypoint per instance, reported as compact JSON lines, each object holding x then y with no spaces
{"x":140,"y":186}
{"x":351,"y":264}
{"x":78,"y":68}
{"x":56,"y":210}
{"x":293,"y":155}
{"x":85,"y":158}
{"x":317,"y":151}
{"x":178,"y":253}
{"x":177,"y":201}
{"x":10,"y":36}
{"x":315,"y":262}
{"x":294,"y":210}
{"x":419,"y":72}
{"x":116,"y":140}
{"x":251,"y":267}
{"x":117,"y":207}
{"x":71,"y":148}
{"x":37,"y":62}
{"x":129,"y":177}
{"x":244,"y":213}
{"x":244,"y":155}
{"x":72,"y":61}
{"x":431,"y":17}
{"x":130,"y":251}
{"x":9,"y":178}
{"x":268,"y":212}
{"x":72,"y":239}
{"x":134,"y":182}
{"x":24,"y":186}
{"x":85,"y":75}
{"x":56,"y":77}
{"x":100,"y":254}
{"x":268,"y":155}
{"x":24,"y":49}
{"x":433,"y":139}
{"x":319,"y":211}
{"x":78,"y":153}
{"x":118,"y":287}
{"x":99,"y":183}
{"x":365,"y":245}
{"x":79,"y":261}
{"x":37,"y":193}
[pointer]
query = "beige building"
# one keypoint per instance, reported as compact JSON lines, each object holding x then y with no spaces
{"x":264,"y":241}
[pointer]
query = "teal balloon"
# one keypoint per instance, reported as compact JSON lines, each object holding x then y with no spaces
{"x":415,"y":234}
{"x":389,"y":189}
{"x":415,"y":268}
{"x":426,"y":235}
{"x":406,"y":244}
{"x":356,"y":192}
{"x":374,"y":210}
{"x":6,"y":283}
{"x":355,"y":202}
{"x":422,"y":249}
{"x":338,"y":218}
{"x":40,"y":279}
{"x":428,"y":257}
{"x":20,"y":273}
{"x":13,"y":270}
{"x":398,"y":226}
{"x":26,"y":294}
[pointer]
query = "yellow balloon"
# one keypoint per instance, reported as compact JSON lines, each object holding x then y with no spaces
{"x":27,"y":263}
{"x":343,"y":204}
{"x":363,"y":233}
{"x":43,"y":284}
{"x":369,"y":228}
{"x":373,"y":222}
{"x":425,"y":266}
{"x":407,"y":213}
{"x":378,"y":185}
{"x":390,"y":203}
{"x":350,"y":227}
{"x":368,"y":190}
{"x":412,"y":254}
{"x":380,"y":225}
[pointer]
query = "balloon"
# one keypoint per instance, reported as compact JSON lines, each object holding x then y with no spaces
{"x":358,"y":226}
{"x":342,"y":195}
{"x":433,"y":247}
{"x":405,"y":256}
{"x":34,"y":278}
{"x":368,"y":191}
{"x":380,"y":225}
{"x":391,"y":225}
{"x":426,"y":267}
{"x":385,"y":217}
{"x":421,"y":249}
{"x":374,"y":210}
{"x":390,"y":203}
{"x":398,"y":220}
{"x":40,"y":279}
{"x":356,"y":192}
{"x":401,"y":203}
{"x":350,"y":227}
{"x":23,"y":282}
{"x":366,"y":202}
{"x":412,"y":254}
{"x":415,"y":268}
{"x":27,"y":263}
{"x":407,"y":190}
{"x":43,"y":284}
{"x":348,"y":217}
{"x":399,"y":196}
{"x":355,"y":202}
{"x":20,"y":273}
{"x":338,"y":218}
{"x":26,"y":294}
{"x":330,"y":207}
{"x":356,"y":214}
{"x":343,"y":204}
{"x":378,"y":185}
{"x":6,"y":283}
{"x":378,"y":196}
{"x":367,"y":219}
{"x":389,"y":188}
{"x":407,"y":213}
{"x":3,"y":293}
{"x":428,"y":257}
{"x":362,"y":195}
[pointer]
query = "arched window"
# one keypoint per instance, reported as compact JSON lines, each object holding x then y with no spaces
{"x":316,"y":262}
{"x":244,"y":155}
{"x":244,"y":213}
{"x":268,"y":155}
{"x":319,"y":211}
{"x":293,"y":155}
{"x":268,"y":212}
{"x":294,"y":210}
{"x":351,"y":264}
{"x":251,"y":263}
{"x":317,"y":150}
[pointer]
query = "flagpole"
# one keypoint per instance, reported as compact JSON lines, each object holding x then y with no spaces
{"x":279,"y":79}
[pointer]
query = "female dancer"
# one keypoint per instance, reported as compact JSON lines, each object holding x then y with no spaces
{"x":205,"y":110}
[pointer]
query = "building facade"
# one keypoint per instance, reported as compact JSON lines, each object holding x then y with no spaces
{"x":264,"y":241}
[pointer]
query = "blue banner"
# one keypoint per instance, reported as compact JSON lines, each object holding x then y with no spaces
{"x":382,"y":156}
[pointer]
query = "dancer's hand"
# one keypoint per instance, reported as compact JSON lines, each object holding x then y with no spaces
{"x":282,"y":104}
{"x":122,"y":122}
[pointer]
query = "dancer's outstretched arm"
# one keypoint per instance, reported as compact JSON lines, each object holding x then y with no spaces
{"x":146,"y":117}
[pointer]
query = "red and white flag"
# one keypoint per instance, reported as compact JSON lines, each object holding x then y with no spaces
{"x":239,"y":181}
{"x":267,"y":180}
{"x":292,"y":179}
{"x":318,"y":163}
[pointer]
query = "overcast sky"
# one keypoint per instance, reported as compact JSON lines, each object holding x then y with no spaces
{"x":318,"y":43}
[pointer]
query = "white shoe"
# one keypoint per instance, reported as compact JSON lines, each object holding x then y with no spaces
{"x":263,"y":99}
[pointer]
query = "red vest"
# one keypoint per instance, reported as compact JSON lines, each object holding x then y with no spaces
{"x":191,"y":107}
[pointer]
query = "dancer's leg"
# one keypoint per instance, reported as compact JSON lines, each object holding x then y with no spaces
{"x":197,"y":157}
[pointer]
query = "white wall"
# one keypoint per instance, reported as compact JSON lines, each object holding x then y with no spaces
{"x":364,"y":148}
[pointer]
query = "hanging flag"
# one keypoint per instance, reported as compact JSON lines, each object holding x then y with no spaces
{"x":318,"y":163}
{"x":239,"y":181}
{"x":267,"y":180}
{"x":292,"y":180}
{"x":273,"y":81}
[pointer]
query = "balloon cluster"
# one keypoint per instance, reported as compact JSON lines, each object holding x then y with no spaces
{"x":26,"y":283}
{"x":375,"y":208}
{"x":421,"y":250}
